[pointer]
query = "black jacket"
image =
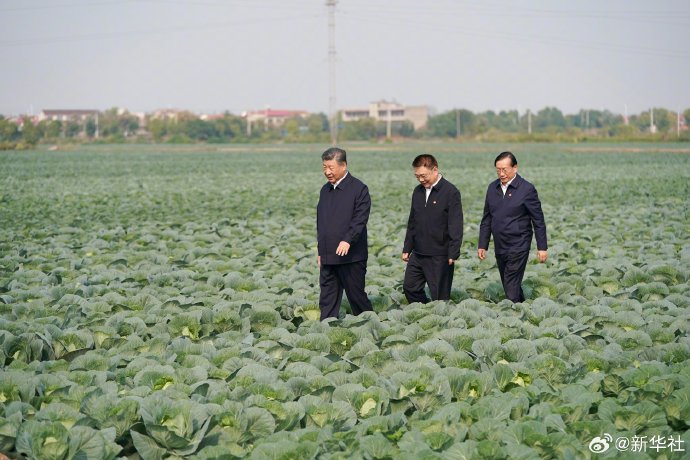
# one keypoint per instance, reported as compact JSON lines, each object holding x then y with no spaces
{"x":510,"y":218}
{"x":434,"y":227}
{"x":342,"y":215}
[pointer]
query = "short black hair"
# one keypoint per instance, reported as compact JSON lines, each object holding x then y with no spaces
{"x":335,"y":153}
{"x":504,"y":155}
{"x":426,"y":160}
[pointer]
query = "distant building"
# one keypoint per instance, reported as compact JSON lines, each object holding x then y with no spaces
{"x":167,"y":114}
{"x":67,"y":115}
{"x":78,"y":116}
{"x":385,"y":111}
{"x":273,"y":117}
{"x":211,"y":116}
{"x":22,"y":119}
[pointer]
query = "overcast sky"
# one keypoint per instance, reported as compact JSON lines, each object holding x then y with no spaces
{"x":236,"y":55}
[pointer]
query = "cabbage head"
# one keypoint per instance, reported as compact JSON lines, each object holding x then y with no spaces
{"x":177,"y":426}
{"x":44,"y":440}
{"x":111,"y":411}
{"x":9,"y":426}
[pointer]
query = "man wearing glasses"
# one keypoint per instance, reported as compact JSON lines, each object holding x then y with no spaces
{"x":434,"y":233}
{"x":511,"y":211}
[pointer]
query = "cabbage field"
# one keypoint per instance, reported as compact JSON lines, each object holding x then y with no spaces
{"x":161,"y":302}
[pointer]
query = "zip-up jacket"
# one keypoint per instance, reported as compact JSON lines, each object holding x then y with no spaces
{"x":342,"y":215}
{"x":434,"y":227}
{"x":510,"y":218}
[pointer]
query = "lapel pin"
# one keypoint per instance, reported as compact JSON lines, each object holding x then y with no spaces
{"x":434,"y":202}
{"x":510,"y":194}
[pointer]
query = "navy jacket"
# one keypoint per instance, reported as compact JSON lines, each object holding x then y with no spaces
{"x":434,"y":227}
{"x":342,"y":215}
{"x":510,"y":219}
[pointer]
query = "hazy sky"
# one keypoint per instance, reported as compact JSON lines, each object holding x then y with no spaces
{"x":237,"y":55}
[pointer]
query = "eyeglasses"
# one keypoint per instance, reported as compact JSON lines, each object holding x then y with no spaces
{"x":422,"y":176}
{"x":504,"y":170}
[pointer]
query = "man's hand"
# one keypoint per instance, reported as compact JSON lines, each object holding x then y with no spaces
{"x":451,"y":261}
{"x":318,"y":261}
{"x":481,"y":253}
{"x":343,"y":248}
{"x":405,"y":256}
{"x":541,"y":255}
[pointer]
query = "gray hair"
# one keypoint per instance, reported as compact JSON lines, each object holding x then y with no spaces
{"x":334,"y":153}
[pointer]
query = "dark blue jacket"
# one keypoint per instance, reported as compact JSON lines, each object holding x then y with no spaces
{"x":510,"y":218}
{"x":342,"y":215}
{"x":434,"y":227}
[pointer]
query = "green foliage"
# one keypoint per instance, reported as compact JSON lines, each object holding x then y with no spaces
{"x":162,"y":302}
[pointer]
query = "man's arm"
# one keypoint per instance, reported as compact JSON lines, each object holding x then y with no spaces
{"x":455,"y":225}
{"x":409,"y":234}
{"x":318,"y":245}
{"x":360,"y":216}
{"x":533,"y":206}
{"x":484,"y":230}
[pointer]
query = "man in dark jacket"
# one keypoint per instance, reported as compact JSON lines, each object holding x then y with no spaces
{"x":512,"y":208}
{"x":434,"y":233}
{"x":341,"y":227}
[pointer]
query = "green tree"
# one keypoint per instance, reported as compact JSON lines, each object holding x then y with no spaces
{"x":452,"y":123}
{"x":72,"y":128}
{"x":224,"y":128}
{"x":665,"y":120}
{"x":198,"y":130}
{"x":548,"y":118}
{"x":90,"y":127}
{"x":360,"y":130}
{"x":158,"y":128}
{"x":52,"y":129}
{"x":9,"y":131}
{"x":237,"y":126}
{"x":129,"y":124}
{"x":406,"y":129}
{"x":292,"y":128}
{"x":317,"y":124}
{"x":108,"y":123}
{"x":115,"y":122}
{"x":30,"y":132}
{"x":624,"y":131}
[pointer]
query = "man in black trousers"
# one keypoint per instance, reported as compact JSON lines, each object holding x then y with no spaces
{"x":511,"y":210}
{"x":341,"y":227}
{"x":434,"y":233}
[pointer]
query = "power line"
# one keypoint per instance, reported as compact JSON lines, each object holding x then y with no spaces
{"x":59,"y":6}
{"x":331,"y":71}
{"x":139,"y":33}
{"x":521,"y":37}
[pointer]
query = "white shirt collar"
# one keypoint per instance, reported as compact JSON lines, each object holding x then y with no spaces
{"x":437,"y":181}
{"x":341,"y":179}
{"x":427,"y":191}
{"x":505,"y":187}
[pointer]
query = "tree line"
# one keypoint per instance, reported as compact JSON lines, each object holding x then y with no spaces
{"x":546,"y":125}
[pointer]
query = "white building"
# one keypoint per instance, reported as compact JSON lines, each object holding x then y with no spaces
{"x":389,"y":111}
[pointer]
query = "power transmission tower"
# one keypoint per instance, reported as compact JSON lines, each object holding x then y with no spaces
{"x":457,"y":124}
{"x":331,"y":68}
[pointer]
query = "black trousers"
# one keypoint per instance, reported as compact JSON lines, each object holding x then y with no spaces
{"x":333,"y":279}
{"x":431,"y":270}
{"x":512,"y":269}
